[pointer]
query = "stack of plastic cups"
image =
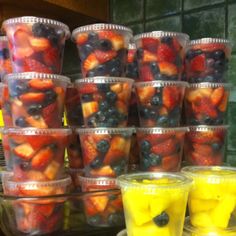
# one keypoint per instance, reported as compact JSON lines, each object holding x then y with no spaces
{"x":34,"y":140}
{"x":105,"y":98}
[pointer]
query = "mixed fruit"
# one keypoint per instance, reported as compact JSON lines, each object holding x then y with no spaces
{"x":105,"y":154}
{"x":102,"y":52}
{"x":105,"y":103}
{"x":103,"y":208}
{"x":160,"y":57}
{"x":36,"y":100}
{"x":160,"y":150}
{"x":36,"y":46}
{"x":36,"y":154}
{"x":154,"y":211}
{"x":5,"y":62}
{"x":207,"y":61}
{"x":206,"y":104}
{"x":205,"y":146}
{"x":160,"y":103}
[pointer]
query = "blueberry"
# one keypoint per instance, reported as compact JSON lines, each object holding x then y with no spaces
{"x":87,"y":97}
{"x":103,"y":106}
{"x":156,"y":100}
{"x":21,"y":122}
{"x":96,"y":163}
{"x":103,"y":87}
{"x":115,"y":72}
{"x":145,"y":163}
{"x":111,"y":96}
{"x":18,"y":89}
{"x":25,"y":165}
{"x":152,"y":114}
{"x":144,"y":112}
{"x":167,"y":40}
{"x":103,"y":146}
{"x":119,"y":167}
{"x":173,"y":122}
{"x":218,"y":121}
{"x":104,"y":45}
{"x":53,"y":37}
{"x":162,"y":219}
{"x":208,"y":120}
{"x":112,"y":197}
{"x":92,"y":121}
{"x":154,"y":68}
{"x":155,"y":160}
{"x":163,"y":120}
{"x":5,"y":53}
{"x":51,"y":97}
{"x":112,"y":122}
{"x":112,"y":112}
{"x":95,"y":220}
{"x":93,"y":38}
{"x":115,"y":219}
{"x":132,"y":70}
{"x":53,"y":146}
{"x":194,"y":122}
{"x":84,"y":51}
{"x":190,"y":54}
{"x":34,"y":109}
{"x":39,"y":30}
{"x":218,"y":55}
{"x":145,"y":146}
{"x":216,"y":147}
{"x":219,"y":65}
{"x":209,"y":78}
{"x":139,"y":53}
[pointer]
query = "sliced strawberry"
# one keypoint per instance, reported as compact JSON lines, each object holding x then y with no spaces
{"x":165,"y":53}
{"x":171,"y":97}
{"x":21,"y":38}
{"x":103,"y":57}
{"x":145,"y":93}
{"x":51,"y":116}
{"x":116,"y":39}
{"x":89,"y":152}
{"x":39,"y":141}
{"x":45,"y":209}
{"x":22,"y":53}
{"x":204,"y":160}
{"x":224,"y":102}
{"x":146,"y":73}
{"x":42,"y":158}
{"x":89,"y":108}
{"x":36,"y":122}
{"x":81,"y":38}
{"x":150,"y":44}
{"x":41,"y":84}
{"x":148,"y":56}
{"x":33,"y":65}
{"x":198,"y":63}
{"x":88,"y":88}
{"x":172,"y":162}
{"x":32,"y":97}
{"x":99,"y":202}
{"x":202,"y":137}
{"x":217,"y":95}
{"x":168,"y":68}
{"x":203,"y":149}
{"x":39,"y":44}
{"x":165,"y":148}
{"x":113,"y":156}
{"x":103,"y":171}
{"x":90,"y":62}
{"x":51,"y":57}
{"x":24,"y":151}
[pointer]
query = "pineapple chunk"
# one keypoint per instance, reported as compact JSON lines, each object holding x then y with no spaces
{"x":158,"y":205}
{"x":201,"y":219}
{"x":198,"y":205}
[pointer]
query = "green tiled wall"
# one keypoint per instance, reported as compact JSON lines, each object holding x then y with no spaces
{"x":198,"y":18}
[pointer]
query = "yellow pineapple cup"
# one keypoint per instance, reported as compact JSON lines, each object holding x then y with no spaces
{"x":212,"y":198}
{"x":154,"y":203}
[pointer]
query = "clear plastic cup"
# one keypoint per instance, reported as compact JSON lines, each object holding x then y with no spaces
{"x":36,"y":44}
{"x":102,"y":49}
{"x":105,"y":101}
{"x":160,"y":103}
{"x":37,"y":99}
{"x":5,"y":62}
{"x":154,"y":203}
{"x":36,"y":154}
{"x":105,"y":151}
{"x":211,"y":200}
{"x":105,"y":209}
{"x":206,"y":103}
{"x":161,"y":148}
{"x":36,"y":216}
{"x":190,"y":230}
{"x":160,"y":55}
{"x":207,"y":60}
{"x":205,"y":145}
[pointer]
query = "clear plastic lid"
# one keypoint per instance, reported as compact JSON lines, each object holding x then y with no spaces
{"x":36,"y":75}
{"x":33,"y":19}
{"x":128,"y":130}
{"x":210,"y":41}
{"x":103,"y":181}
{"x":132,"y":46}
{"x":205,"y":128}
{"x":37,"y":131}
{"x":210,"y":85}
{"x":103,"y":79}
{"x":159,"y":83}
{"x":161,"y":130}
{"x":102,"y":27}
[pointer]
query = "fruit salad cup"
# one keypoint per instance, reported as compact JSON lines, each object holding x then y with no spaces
{"x":207,"y":60}
{"x":212,"y":198}
{"x":102,"y":49}
{"x":161,"y":148}
{"x":105,"y":101}
{"x":160,"y":103}
{"x":104,"y":208}
{"x":160,"y":55}
{"x":154,"y":203}
{"x":205,"y":145}
{"x":37,"y":216}
{"x":36,"y":154}
{"x":190,"y":230}
{"x":5,"y":62}
{"x":36,"y":44}
{"x":73,"y":108}
{"x":206,"y":103}
{"x":105,"y":151}
{"x":37,"y":99}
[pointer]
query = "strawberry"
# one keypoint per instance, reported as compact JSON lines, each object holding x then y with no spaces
{"x":172,"y":162}
{"x":99,"y":202}
{"x":116,"y":39}
{"x":81,"y":38}
{"x":171,"y":97}
{"x":224,"y":102}
{"x":33,"y":65}
{"x":201,"y":137}
{"x":7,"y":66}
{"x":113,"y":156}
{"x":204,"y":160}
{"x":203,"y":149}
{"x":35,"y":219}
{"x":89,"y":208}
{"x":168,"y":68}
{"x":150,"y":44}
{"x":51,"y":115}
{"x":103,"y":171}
{"x":89,"y":108}
{"x":165,"y":148}
{"x":41,"y":84}
{"x":154,"y":139}
{"x":148,"y":56}
{"x":198,"y":63}
{"x":89,"y":152}
{"x":145,"y":93}
{"x":21,"y":38}
{"x":45,"y":209}
{"x":103,"y":57}
{"x":165,"y":53}
{"x":32,"y":97}
{"x":39,"y":44}
{"x":51,"y":57}
{"x":90,"y":62}
{"x":36,"y":122}
{"x":88,"y":88}
{"x":22,"y":53}
{"x":24,"y":151}
{"x":217,"y":95}
{"x":42,"y":158}
{"x":146,"y":73}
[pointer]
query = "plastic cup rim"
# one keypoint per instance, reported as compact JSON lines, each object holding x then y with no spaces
{"x":209,"y":85}
{"x":101,"y":181}
{"x":161,"y":83}
{"x":118,"y":130}
{"x":103,"y":79}
{"x":202,"y":128}
{"x":161,"y":130}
